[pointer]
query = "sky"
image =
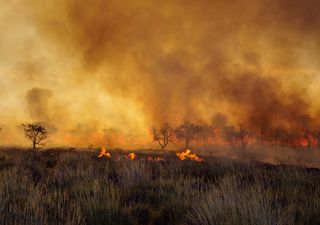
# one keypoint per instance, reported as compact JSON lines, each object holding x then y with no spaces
{"x":104,"y":72}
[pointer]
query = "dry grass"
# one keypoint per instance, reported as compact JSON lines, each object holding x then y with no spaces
{"x":75,"y":188}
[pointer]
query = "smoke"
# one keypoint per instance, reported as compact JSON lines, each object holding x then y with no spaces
{"x":129,"y":65}
{"x":37,"y":103}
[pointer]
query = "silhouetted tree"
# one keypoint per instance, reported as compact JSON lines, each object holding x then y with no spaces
{"x":233,"y":136}
{"x":163,"y":135}
{"x":261,"y":136}
{"x":230,"y":135}
{"x":243,"y":135}
{"x":278,"y":136}
{"x":36,"y":133}
{"x":309,"y":137}
{"x":206,"y":133}
{"x":187,"y":132}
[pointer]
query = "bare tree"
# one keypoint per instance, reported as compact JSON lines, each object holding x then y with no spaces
{"x":230,"y":135}
{"x":278,"y":136}
{"x":206,"y":134}
{"x":234,"y":136}
{"x":310,"y":137}
{"x":260,"y":135}
{"x":187,"y":132}
{"x":163,"y":135}
{"x":243,"y":135}
{"x":36,"y":133}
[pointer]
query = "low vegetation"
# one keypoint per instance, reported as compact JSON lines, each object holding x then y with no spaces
{"x":54,"y":187}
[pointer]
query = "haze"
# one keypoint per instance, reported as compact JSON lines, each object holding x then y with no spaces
{"x":103,"y":72}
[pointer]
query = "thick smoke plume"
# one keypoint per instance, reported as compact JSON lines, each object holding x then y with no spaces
{"x":37,"y":101}
{"x":129,"y":65}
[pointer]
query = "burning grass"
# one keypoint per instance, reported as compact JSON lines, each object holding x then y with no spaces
{"x":132,"y":156}
{"x":78,"y":188}
{"x":104,"y":153}
{"x":187,"y":154}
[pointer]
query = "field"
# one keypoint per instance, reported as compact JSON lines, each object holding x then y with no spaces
{"x":59,"y":186}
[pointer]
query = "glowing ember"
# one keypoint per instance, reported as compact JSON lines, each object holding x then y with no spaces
{"x":188,"y":155}
{"x":159,"y":159}
{"x":155,"y":159}
{"x":104,"y":153}
{"x":132,"y":156}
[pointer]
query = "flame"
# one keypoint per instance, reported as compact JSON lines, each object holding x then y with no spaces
{"x":104,"y":153}
{"x":132,"y":156}
{"x":188,"y":155}
{"x":149,"y":158}
{"x":312,"y":141}
{"x":155,"y":159}
{"x":159,"y":159}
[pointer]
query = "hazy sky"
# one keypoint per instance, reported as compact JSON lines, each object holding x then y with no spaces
{"x":94,"y":69}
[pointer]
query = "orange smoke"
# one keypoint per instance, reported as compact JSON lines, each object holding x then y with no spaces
{"x":83,"y":75}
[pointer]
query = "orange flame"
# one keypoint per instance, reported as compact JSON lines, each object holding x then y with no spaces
{"x":159,"y":159}
{"x":155,"y":159}
{"x":132,"y":156}
{"x":188,"y":155}
{"x":104,"y":153}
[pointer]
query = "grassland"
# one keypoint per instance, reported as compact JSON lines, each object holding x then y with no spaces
{"x":57,"y":186}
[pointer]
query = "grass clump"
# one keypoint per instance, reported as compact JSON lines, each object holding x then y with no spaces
{"x":76,"y":188}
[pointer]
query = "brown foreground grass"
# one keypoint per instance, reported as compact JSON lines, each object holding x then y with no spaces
{"x":55,"y":187}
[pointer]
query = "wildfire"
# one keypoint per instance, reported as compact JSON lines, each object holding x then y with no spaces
{"x":187,"y":154}
{"x":104,"y":153}
{"x":132,"y":156}
{"x":159,"y":159}
{"x":155,"y":159}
